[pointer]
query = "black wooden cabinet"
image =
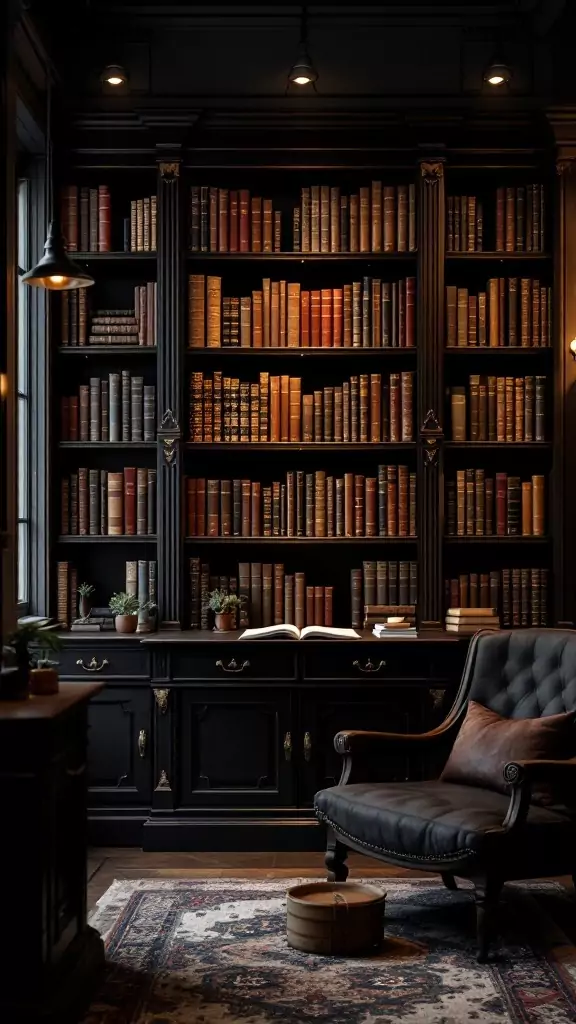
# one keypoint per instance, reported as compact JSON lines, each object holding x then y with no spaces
{"x":119,"y":746}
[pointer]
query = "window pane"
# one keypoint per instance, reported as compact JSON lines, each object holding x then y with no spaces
{"x":23,"y":390}
{"x":23,"y":573}
{"x":23,"y":463}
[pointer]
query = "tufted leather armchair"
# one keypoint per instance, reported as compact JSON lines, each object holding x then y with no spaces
{"x":462,"y":830}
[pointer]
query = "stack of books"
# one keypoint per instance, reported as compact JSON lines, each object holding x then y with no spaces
{"x":395,"y":626}
{"x":470,"y":620}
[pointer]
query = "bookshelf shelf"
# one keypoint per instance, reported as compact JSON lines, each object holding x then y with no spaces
{"x":491,"y":539}
{"x":505,"y":257}
{"x":292,"y":446}
{"x":108,"y":445}
{"x":501,"y":350}
{"x":102,"y":256}
{"x":230,"y":351}
{"x":535,"y":446}
{"x":355,"y":541}
{"x":303,"y":257}
{"x":97,"y":538}
{"x":113,"y":350}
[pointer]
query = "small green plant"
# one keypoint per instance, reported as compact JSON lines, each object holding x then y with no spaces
{"x":32,"y":633}
{"x":124,"y":604}
{"x":221,"y":602}
{"x":86,"y":590}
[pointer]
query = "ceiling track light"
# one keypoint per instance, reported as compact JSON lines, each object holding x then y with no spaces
{"x":497,"y":74}
{"x":303,"y":71}
{"x":115,"y":75}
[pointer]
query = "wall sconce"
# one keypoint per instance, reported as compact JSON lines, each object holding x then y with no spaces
{"x":573,"y":348}
{"x":3,"y":385}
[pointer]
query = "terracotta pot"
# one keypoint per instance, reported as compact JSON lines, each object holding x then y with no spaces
{"x":84,"y":607}
{"x":223,"y":621}
{"x":43,"y":681}
{"x":126,"y":623}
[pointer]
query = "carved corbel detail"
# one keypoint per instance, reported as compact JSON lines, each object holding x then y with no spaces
{"x":161,"y":698}
{"x":564,"y":165}
{"x":169,"y":171}
{"x":431,"y":436}
{"x":163,"y":781}
{"x":432,"y":172}
{"x":169,"y":436}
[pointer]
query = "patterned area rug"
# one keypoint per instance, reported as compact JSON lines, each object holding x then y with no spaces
{"x":214,"y":952}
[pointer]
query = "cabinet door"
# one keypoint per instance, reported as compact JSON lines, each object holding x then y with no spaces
{"x":234,"y":747}
{"x":325,"y":712}
{"x":120,"y":747}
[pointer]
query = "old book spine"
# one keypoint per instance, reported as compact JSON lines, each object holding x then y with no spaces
{"x":136,"y":408}
{"x":305,"y":219}
{"x":514,"y":507}
{"x":370,"y":507}
{"x":225,"y":508}
{"x":267,"y":511}
{"x":474,"y":397}
{"x":244,"y":411}
{"x":527,"y":509}
{"x":366,"y":312}
{"x":146,"y":223}
{"x":376,"y":217}
{"x":213,"y":218}
{"x":338,"y":418}
{"x":141,"y":501}
{"x":277,"y":231}
{"x":83,"y":502}
{"x":389,"y":200}
{"x":344,"y":224}
{"x":402,"y":237}
{"x":84,"y":406}
{"x":320,"y":503}
{"x":93,"y":216}
{"x":410,"y":290}
{"x":282,"y":315}
{"x":278,"y":594}
{"x":74,"y":503}
{"x":195,"y":218}
{"x":510,"y":223}
{"x":407,"y":399}
{"x":319,"y":606}
{"x":364,"y":218}
{"x":309,"y":489}
{"x":151,"y":502}
{"x":104,"y":219}
{"x":95,"y":419}
{"x":403,"y":500}
{"x":349,"y":495}
{"x":257,"y":319}
{"x":197,"y":310}
{"x":375,"y":407}
{"x":356,"y":598}
{"x":129,"y":500}
{"x":65,"y":506}
{"x":364,"y":394}
{"x":299,"y":600}
{"x":307,"y":418}
{"x":214,"y":311}
{"x":267,"y":225}
{"x":315,"y":218}
{"x":369,"y":580}
{"x":460,"y":503}
{"x":470,"y":502}
{"x":103,"y":502}
{"x":115,"y":503}
{"x":244,"y":220}
{"x":538,"y":506}
{"x":255,"y":509}
{"x":354,"y":223}
{"x":359,"y":488}
{"x":304,"y":319}
{"x":256,"y":594}
{"x":295,"y":403}
{"x":265,"y":396}
{"x":318,"y":417}
{"x":324,"y":218}
{"x":200,"y":507}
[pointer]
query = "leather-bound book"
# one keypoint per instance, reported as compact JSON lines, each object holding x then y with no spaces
{"x":245,"y":322}
{"x":509,"y":408}
{"x":356,"y":598}
{"x":83,"y":503}
{"x":242,"y":507}
{"x":233,"y":223}
{"x":129,"y":501}
{"x":474,"y":397}
{"x":264,"y":405}
{"x":276,"y":508}
{"x":254,"y":412}
{"x":284,"y":408}
{"x":353,"y":318}
{"x":450,"y":224}
{"x":501,"y":504}
{"x":460,"y":502}
{"x":339,"y":507}
{"x":527,"y":509}
{"x":519,"y":409}
{"x":294,"y":408}
{"x":457,"y":223}
{"x":500,"y":409}
{"x":334,"y":219}
{"x":267,"y":594}
{"x":536,"y":616}
{"x":84,"y":407}
{"x":545,"y":303}
{"x":536,"y":314}
{"x":315,"y":218}
{"x":376,"y":313}
{"x":324,"y":218}
{"x":451,"y":315}
{"x":153,"y":223}
{"x":146,"y":223}
{"x":320,"y":503}
{"x":510,"y":222}
{"x":389,"y":200}
{"x":366,"y":312}
{"x":451,"y":508}
{"x":375,"y":408}
{"x":471,"y":224}
{"x":277,"y":231}
{"x":278,"y":594}
{"x":463,"y":223}
{"x":103,"y":502}
{"x":472,"y":320}
{"x":525,"y":311}
{"x":74,"y":318}
{"x":293,"y":315}
{"x":412,"y":217}
{"x":310,"y":606}
{"x":479,"y":507}
{"x":538,"y":518}
{"x":529,"y":402}
{"x":370,"y":506}
{"x":305,"y":219}
{"x":516,"y":597}
{"x":196,"y":310}
{"x":115,"y":504}
{"x":338,"y":419}
{"x":282,"y":314}
{"x":290,"y":504}
{"x":244,"y":220}
{"x":315,"y":318}
{"x":214,"y":311}
{"x":318,"y":417}
{"x":213,"y":218}
{"x":382,"y":501}
{"x":407,"y":401}
{"x":151,"y":502}
{"x":234,"y":409}
{"x":328,"y":605}
{"x":482,"y":409}
{"x":208,"y":425}
{"x":346,"y":313}
{"x":309,"y":495}
{"x":244,"y":411}
{"x":364,"y":218}
{"x":359,"y":488}
{"x":369,"y":580}
{"x":195,"y":218}
{"x":84,"y":235}
{"x":381,"y":584}
{"x":136,"y":408}
{"x":393,"y":434}
{"x":328,"y":415}
{"x":223,"y":496}
{"x":410,"y":300}
{"x":489,"y":506}
{"x":458,"y":413}
{"x":404,"y":580}
{"x":64,"y":318}
{"x":326,"y":317}
{"x":267,"y":226}
{"x":149,"y":408}
{"x":93,"y":502}
{"x":63,"y":602}
{"x":319,"y":606}
{"x":133,"y":223}
{"x":289,"y":611}
{"x":337,"y":317}
{"x":299,"y":600}
{"x":473,"y":595}
{"x":104,"y":219}
{"x":275,"y":409}
{"x":307,"y":418}
{"x":376,"y":217}
{"x":257,"y":319}
{"x":300,"y":504}
{"x":403,"y":500}
{"x":392,"y":501}
{"x":520,"y":219}
{"x":354,"y":233}
{"x":354,"y":410}
{"x":65,"y":506}
{"x":200,"y":507}
{"x":346,"y":411}
{"x":470,"y":503}
{"x":349,"y":505}
{"x":462,"y":317}
{"x":494,"y":312}
{"x":255,"y":509}
{"x":190,"y":506}
{"x":330,"y":507}
{"x":95,"y":424}
{"x":402,"y":236}
{"x":544,"y":574}
{"x":266,"y":511}
{"x":304,"y":340}
{"x":525,"y":601}
{"x":83,"y":319}
{"x":344,"y":224}
{"x":93,"y":214}
{"x":364,"y":406}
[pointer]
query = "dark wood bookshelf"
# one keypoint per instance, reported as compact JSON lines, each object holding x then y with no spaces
{"x":505,"y":257}
{"x":308,"y":541}
{"x":500,"y":350}
{"x":535,"y":446}
{"x":102,"y":256}
{"x":494,"y":539}
{"x":112,"y":445}
{"x":104,"y":350}
{"x":236,"y":350}
{"x":295,"y":446}
{"x":98,"y":538}
{"x":304,"y":257}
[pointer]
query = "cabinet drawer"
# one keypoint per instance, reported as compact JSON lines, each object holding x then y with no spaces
{"x":387,"y":660}
{"x":94,"y":661}
{"x":229,"y":662}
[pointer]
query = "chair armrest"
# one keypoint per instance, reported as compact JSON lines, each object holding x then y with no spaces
{"x":364,"y":753}
{"x":520,"y":775}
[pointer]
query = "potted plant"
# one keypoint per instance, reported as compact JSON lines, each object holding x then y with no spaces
{"x":125,"y":609}
{"x":224,"y":606}
{"x":44,"y":678}
{"x":15,"y":685}
{"x":85,"y":590}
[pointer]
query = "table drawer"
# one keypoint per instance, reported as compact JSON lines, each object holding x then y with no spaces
{"x":380,"y":661}
{"x":93,"y":661}
{"x":229,"y":662}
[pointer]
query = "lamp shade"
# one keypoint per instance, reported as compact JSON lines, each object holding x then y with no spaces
{"x":56,"y":270}
{"x":114,"y":74}
{"x":497,"y":74}
{"x":302,"y":71}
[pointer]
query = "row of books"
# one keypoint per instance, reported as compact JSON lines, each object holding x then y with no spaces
{"x":499,"y":409}
{"x":378,"y":218}
{"x":119,"y":407}
{"x":270,"y":595}
{"x":364,"y":314}
{"x":382,"y":583}
{"x":136,"y":326}
{"x":140,"y":580}
{"x":468,"y":621}
{"x":511,"y":312}
{"x":366,"y":408}
{"x":141,"y":225}
{"x":519,"y":226}
{"x":100,"y":502}
{"x":305,"y":505}
{"x":231,"y":220}
{"x":86,"y":218}
{"x":480,"y":505}
{"x":519,"y":595}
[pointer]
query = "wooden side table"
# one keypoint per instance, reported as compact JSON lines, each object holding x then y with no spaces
{"x":50,"y":956}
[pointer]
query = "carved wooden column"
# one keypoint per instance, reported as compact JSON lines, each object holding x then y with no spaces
{"x":163,"y":796}
{"x":430,"y":389}
{"x":171,"y":295}
{"x":563,"y":504}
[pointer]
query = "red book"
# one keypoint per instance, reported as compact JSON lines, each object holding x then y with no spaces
{"x":304,"y":319}
{"x":337,"y":303}
{"x":233,"y":239}
{"x":129,"y":501}
{"x":315,"y":319}
{"x":326,"y":317}
{"x":501,"y":501}
{"x":104,"y":219}
{"x":244,"y":233}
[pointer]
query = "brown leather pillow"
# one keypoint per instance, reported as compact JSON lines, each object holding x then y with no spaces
{"x":487,"y":742}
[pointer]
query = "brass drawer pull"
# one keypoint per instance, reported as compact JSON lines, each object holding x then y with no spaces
{"x":232,"y":666}
{"x":307,"y":746}
{"x":93,"y":666}
{"x":288,"y":746}
{"x":142,"y":741}
{"x":369,"y":666}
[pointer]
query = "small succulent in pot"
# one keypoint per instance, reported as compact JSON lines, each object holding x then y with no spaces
{"x":44,"y":678}
{"x":225,"y":606}
{"x":26,"y":635}
{"x":125,"y":608}
{"x":85,"y":591}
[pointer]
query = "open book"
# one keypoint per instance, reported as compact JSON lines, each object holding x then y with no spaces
{"x":286,"y":631}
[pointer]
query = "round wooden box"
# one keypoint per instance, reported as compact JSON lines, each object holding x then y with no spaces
{"x":335,"y":918}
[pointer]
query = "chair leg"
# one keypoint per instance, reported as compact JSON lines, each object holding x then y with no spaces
{"x":487,"y":893}
{"x":335,"y":859}
{"x":449,"y":881}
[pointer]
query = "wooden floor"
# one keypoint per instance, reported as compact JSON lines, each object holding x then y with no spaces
{"x":104,"y":865}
